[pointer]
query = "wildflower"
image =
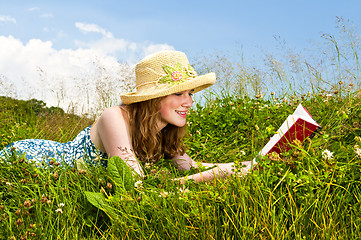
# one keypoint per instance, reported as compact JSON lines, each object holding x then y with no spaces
{"x":327,"y":155}
{"x":163,"y":194}
{"x":61,"y":205}
{"x":59,"y":210}
{"x":242,"y":152}
{"x":138,"y":184}
{"x":357,"y":151}
{"x":147,"y":165}
{"x":19,"y":222}
{"x":183,"y":190}
{"x":27,"y":204}
{"x":18,"y":212}
{"x":44,"y":199}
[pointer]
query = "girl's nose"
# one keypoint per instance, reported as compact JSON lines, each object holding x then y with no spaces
{"x":188,"y":101}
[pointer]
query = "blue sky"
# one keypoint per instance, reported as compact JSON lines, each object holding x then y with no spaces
{"x":45,"y":40}
{"x":190,"y":26}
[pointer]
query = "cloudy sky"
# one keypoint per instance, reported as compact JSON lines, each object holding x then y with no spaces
{"x":48,"y":44}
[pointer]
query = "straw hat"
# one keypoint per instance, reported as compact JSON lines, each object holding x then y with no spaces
{"x":164,"y":73}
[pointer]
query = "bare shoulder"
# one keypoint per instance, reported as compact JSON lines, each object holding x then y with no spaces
{"x":114,"y":114}
{"x":112,"y":123}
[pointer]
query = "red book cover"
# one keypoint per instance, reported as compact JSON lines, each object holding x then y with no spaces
{"x":299,"y":125}
{"x":300,"y":130}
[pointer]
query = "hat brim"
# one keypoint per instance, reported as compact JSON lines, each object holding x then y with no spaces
{"x":197,"y":84}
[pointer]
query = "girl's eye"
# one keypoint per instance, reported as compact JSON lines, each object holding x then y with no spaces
{"x":181,"y":93}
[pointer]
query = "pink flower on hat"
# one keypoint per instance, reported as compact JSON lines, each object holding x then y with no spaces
{"x":176,"y":75}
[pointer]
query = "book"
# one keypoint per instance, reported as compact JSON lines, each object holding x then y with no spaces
{"x":298,"y":126}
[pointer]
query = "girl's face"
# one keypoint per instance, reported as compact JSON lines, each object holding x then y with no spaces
{"x":174,"y":108}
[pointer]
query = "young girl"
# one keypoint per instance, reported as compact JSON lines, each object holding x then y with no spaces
{"x":148,"y":126}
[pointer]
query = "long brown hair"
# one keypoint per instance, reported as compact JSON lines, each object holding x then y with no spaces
{"x":150,"y":145}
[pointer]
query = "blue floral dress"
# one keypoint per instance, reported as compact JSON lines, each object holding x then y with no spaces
{"x":39,"y":150}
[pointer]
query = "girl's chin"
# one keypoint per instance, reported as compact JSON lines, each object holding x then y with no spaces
{"x":179,"y":124}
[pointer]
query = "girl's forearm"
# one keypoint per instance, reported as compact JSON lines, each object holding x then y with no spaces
{"x":220,"y":171}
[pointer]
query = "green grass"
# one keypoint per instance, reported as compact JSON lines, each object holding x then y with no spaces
{"x":297,"y":195}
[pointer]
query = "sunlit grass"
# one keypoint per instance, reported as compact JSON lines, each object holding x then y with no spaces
{"x":300,"y":194}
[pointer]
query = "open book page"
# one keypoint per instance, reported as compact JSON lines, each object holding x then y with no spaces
{"x":299,"y":125}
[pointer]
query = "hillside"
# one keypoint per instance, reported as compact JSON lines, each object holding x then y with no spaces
{"x":21,"y":119}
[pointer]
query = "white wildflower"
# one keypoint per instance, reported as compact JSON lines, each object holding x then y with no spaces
{"x":183,"y":190}
{"x":327,"y":155}
{"x":163,"y":194}
{"x":61,"y":205}
{"x":242,"y":153}
{"x":357,"y":151}
{"x":138,"y":184}
{"x":59,"y":210}
{"x":147,"y":165}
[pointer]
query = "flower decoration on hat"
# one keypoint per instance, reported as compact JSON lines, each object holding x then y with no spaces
{"x":177,"y":74}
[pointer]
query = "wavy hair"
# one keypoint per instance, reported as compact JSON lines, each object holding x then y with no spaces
{"x":150,"y":145}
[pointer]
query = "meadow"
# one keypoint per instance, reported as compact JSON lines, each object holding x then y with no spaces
{"x":312,"y":191}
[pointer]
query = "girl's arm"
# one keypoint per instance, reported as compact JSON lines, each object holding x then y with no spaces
{"x":220,"y":170}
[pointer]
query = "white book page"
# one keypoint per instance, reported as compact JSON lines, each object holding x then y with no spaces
{"x":300,"y":110}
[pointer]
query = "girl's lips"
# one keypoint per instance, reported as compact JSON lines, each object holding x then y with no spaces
{"x":182,"y":113}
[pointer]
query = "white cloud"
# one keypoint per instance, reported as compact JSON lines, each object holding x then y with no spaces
{"x":152,"y":48}
{"x":110,"y":45}
{"x":4,"y":18}
{"x":46,"y":15}
{"x":33,"y":9}
{"x":89,"y":27}
{"x":84,"y":78}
